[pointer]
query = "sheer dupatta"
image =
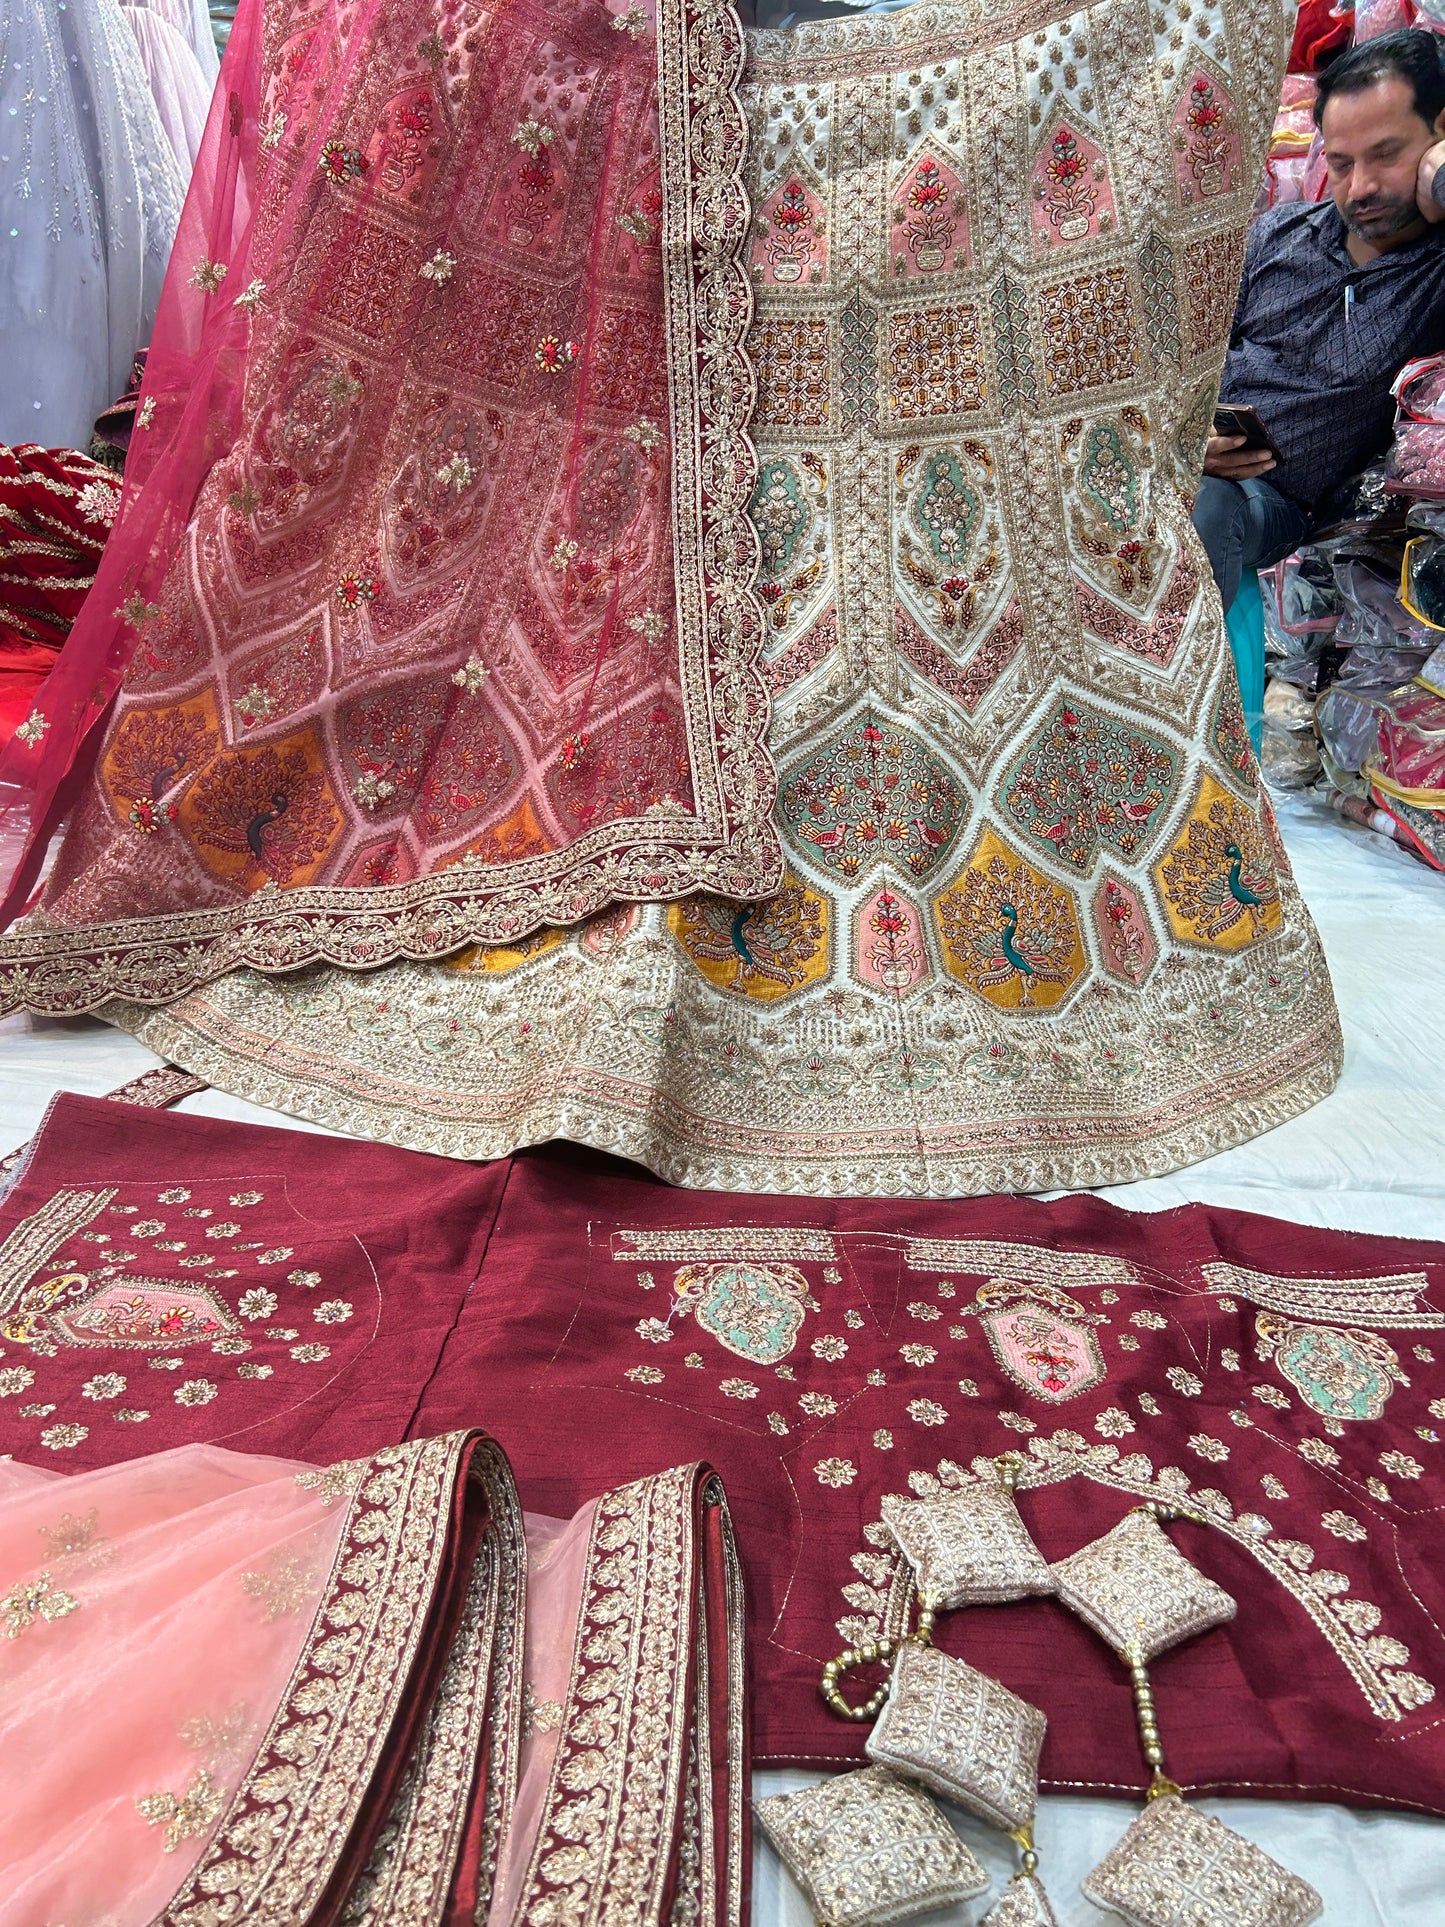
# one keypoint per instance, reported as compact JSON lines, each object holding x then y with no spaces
{"x":327,"y":1696}
{"x":427,"y":618}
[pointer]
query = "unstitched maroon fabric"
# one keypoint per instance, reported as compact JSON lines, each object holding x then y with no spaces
{"x":175,"y":1279}
{"x":1279,"y":1382}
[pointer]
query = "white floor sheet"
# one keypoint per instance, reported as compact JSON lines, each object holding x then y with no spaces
{"x":1371,"y":1158}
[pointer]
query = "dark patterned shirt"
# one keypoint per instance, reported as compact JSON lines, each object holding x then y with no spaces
{"x":1317,"y":341}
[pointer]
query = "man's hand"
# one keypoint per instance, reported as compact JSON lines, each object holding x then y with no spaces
{"x":1431,"y":161}
{"x":1227,"y":457}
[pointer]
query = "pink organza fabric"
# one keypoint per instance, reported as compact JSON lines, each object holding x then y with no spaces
{"x":429,"y":598}
{"x":150,"y":1616}
{"x":556,"y":1567}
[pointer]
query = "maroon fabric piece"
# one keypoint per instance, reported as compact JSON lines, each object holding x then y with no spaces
{"x":1267,"y":1705}
{"x":1134,"y":1383}
{"x":392,"y":1237}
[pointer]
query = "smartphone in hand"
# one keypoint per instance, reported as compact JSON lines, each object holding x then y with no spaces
{"x":1232,"y":419}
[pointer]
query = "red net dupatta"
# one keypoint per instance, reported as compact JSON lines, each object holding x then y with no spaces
{"x":427,"y":619}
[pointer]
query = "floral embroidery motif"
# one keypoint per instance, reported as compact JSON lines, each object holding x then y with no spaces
{"x":555,"y":357}
{"x":1341,"y":1374}
{"x":355,"y":588}
{"x":755,"y":1310}
{"x":1126,"y":941}
{"x":1206,"y":140}
{"x":33,"y":728}
{"x":78,"y":1536}
{"x":137,"y":1312}
{"x":836,"y":1472}
{"x":891,"y":951}
{"x":282,"y":1590}
{"x":1072,"y":196}
{"x":929,"y":220}
{"x":1085,"y":781}
{"x":33,"y":1599}
{"x":208,"y":276}
{"x":872,"y":792}
{"x":341,"y":163}
{"x":183,"y":1815}
{"x":789,"y":227}
{"x":1042,"y":1340}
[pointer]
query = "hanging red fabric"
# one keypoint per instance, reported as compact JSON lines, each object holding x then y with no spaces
{"x":427,"y":618}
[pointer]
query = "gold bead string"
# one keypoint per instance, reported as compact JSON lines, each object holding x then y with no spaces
{"x":1008,"y":1466}
{"x":1144,"y":1712}
{"x":874,"y":1652}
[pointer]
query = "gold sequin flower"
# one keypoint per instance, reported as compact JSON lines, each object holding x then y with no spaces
{"x":1402,"y":1465}
{"x":195,"y":1391}
{"x":335,"y":1311}
{"x":1343,"y":1526}
{"x":925,"y":1411}
{"x":738,"y":1388}
{"x":103,"y":1385}
{"x":836,"y":1472}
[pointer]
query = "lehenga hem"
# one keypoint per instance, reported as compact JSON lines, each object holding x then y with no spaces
{"x":686,"y":1150}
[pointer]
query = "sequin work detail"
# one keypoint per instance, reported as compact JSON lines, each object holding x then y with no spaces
{"x":961,"y":1733}
{"x":970,"y":1547}
{"x":1176,"y":1867}
{"x":1135,"y":1588}
{"x":867,"y":1849}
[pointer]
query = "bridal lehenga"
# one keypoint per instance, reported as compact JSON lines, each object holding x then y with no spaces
{"x":659,"y":604}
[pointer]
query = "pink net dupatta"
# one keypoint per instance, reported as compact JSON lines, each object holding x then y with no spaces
{"x":428,"y":617}
{"x":238,"y":1688}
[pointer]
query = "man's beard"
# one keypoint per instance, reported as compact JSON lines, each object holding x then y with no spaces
{"x":1386,"y":215}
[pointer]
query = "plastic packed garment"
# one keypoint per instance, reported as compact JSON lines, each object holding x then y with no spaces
{"x":1408,"y":759}
{"x":1293,"y":170}
{"x":1376,"y":17}
{"x":1301,"y":613}
{"x":1349,"y":728}
{"x":1416,"y":463}
{"x":1386,"y":643}
{"x":1289,"y":752}
{"x":1422,"y":579}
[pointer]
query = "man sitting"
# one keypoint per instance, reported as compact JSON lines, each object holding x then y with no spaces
{"x":1336,"y":297}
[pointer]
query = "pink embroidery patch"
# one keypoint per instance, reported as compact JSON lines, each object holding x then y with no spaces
{"x":1126,"y":943}
{"x":789,"y":244}
{"x":1048,"y":1356}
{"x":890,"y":943}
{"x":930,"y":220}
{"x":143,"y":1311}
{"x":1205,"y":131}
{"x":1072,"y":196}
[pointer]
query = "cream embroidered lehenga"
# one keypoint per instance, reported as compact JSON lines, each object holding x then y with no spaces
{"x":237,"y":1688}
{"x":1035,"y":927}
